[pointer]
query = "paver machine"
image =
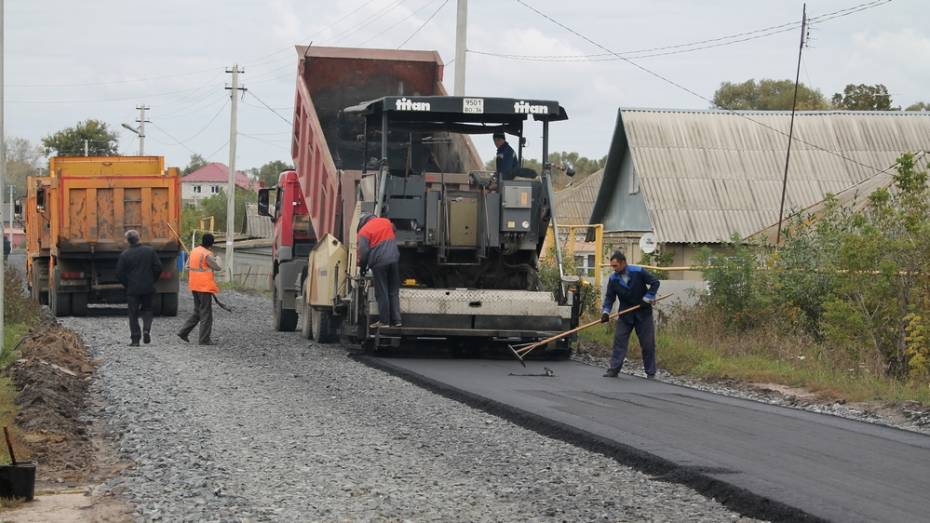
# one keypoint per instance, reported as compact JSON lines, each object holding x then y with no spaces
{"x":470,"y":242}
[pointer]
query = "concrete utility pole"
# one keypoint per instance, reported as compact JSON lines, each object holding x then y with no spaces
{"x":142,"y":121}
{"x":11,"y":215}
{"x":86,"y":147}
{"x":2,"y":175}
{"x":231,"y":184}
{"x":461,"y":37}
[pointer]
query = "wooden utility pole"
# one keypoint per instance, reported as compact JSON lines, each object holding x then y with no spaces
{"x":794,"y":107}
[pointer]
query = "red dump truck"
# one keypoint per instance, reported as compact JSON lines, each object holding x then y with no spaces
{"x":374,"y":131}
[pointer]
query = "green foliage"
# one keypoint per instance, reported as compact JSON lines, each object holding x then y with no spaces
{"x":22,"y":160}
{"x":863,"y":97}
{"x":196,"y":162}
{"x":584,"y":167}
{"x":551,"y":281}
{"x":70,"y":141}
{"x":216,"y":206}
{"x":657,"y":259}
{"x":855,"y":280}
{"x":268,"y":174}
{"x":767,"y":95}
{"x":919,"y":106}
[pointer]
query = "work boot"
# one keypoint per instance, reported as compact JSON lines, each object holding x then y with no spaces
{"x":377,"y":325}
{"x":204,"y":343}
{"x":612,"y":373}
{"x":184,"y":337}
{"x":134,"y":343}
{"x":650,"y":376}
{"x":146,"y":338}
{"x":397,"y":325}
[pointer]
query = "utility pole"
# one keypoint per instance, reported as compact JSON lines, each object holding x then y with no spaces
{"x":11,"y":215}
{"x":2,"y":176}
{"x":142,"y":121}
{"x":231,"y":184}
{"x":86,"y":147}
{"x":794,"y":107}
{"x":461,"y":37}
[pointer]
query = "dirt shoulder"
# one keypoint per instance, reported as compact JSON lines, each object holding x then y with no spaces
{"x":51,"y":379}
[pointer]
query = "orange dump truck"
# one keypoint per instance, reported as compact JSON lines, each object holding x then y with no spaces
{"x":76,"y":220}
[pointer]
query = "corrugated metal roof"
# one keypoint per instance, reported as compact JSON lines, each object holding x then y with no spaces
{"x":257,"y":226}
{"x":573,"y":204}
{"x":707,"y":174}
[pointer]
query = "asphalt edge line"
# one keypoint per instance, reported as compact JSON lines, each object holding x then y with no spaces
{"x":735,"y":498}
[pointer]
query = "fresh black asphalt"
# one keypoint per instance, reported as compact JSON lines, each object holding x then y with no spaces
{"x":762,"y":460}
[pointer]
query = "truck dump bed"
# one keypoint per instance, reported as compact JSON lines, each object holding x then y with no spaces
{"x":325,"y":141}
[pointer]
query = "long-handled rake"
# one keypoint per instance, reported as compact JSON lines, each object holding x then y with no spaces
{"x":521,"y":350}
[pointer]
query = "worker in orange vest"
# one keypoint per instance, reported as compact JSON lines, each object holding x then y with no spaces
{"x":202,"y":283}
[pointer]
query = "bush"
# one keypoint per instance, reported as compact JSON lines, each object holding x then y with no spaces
{"x":856,"y":280}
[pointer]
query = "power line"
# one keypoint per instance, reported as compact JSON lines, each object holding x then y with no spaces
{"x":209,"y":123}
{"x":288,"y":122}
{"x":428,"y":20}
{"x":399,"y":22}
{"x":687,"y":89}
{"x":166,"y":133}
{"x":721,"y":41}
{"x":217,"y":151}
{"x":269,"y":142}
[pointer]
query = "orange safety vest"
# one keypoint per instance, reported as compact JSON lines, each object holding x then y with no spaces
{"x":201,"y":277}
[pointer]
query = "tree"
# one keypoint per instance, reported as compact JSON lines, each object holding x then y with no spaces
{"x":268,"y":174}
{"x":584,"y":166}
{"x":196,"y":162}
{"x":216,"y":206}
{"x":767,"y":95}
{"x":919,"y":106}
{"x":70,"y":141}
{"x":863,"y":97}
{"x":22,"y":161}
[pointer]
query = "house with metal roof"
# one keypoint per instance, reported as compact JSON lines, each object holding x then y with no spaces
{"x":695,"y":178}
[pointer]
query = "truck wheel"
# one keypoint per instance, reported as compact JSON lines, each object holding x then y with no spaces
{"x":322,"y":325}
{"x":169,"y":304}
{"x":60,"y":304}
{"x":285,"y":320}
{"x":156,"y":304}
{"x":79,"y":304}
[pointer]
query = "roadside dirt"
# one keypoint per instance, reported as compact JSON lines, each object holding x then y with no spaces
{"x":53,"y":378}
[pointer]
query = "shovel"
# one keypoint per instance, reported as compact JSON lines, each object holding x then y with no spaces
{"x":520,"y":351}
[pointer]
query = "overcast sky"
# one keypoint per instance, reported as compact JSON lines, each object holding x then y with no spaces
{"x":67,"y":61}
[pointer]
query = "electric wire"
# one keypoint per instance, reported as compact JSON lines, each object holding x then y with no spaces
{"x":688,"y":47}
{"x":691,"y":91}
{"x":388,"y":29}
{"x":424,"y":24}
{"x":285,"y":120}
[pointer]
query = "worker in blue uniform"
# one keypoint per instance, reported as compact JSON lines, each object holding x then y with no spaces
{"x":506,"y":160}
{"x":631,"y":285}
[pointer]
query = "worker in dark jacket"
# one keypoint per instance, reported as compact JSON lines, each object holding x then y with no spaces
{"x":377,"y":249}
{"x":506,"y":161}
{"x":138,"y":268}
{"x":631,"y":285}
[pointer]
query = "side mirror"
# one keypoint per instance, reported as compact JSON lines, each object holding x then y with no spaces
{"x":264,"y":199}
{"x":40,"y":200}
{"x":18,"y":207}
{"x":568,"y":169}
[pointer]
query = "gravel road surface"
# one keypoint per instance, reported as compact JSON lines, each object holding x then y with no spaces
{"x":266,"y":426}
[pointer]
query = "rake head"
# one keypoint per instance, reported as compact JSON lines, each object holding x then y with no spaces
{"x":517,"y":355}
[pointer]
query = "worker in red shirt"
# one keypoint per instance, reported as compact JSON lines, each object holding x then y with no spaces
{"x":377,"y":250}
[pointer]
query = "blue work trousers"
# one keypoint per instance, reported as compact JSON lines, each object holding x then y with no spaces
{"x":645,"y":332}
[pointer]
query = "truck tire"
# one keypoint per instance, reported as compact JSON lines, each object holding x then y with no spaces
{"x":306,"y":327}
{"x":321,"y":322}
{"x":79,"y":304}
{"x":169,"y":304}
{"x":156,"y":304}
{"x":285,"y":320}
{"x":60,"y":304}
